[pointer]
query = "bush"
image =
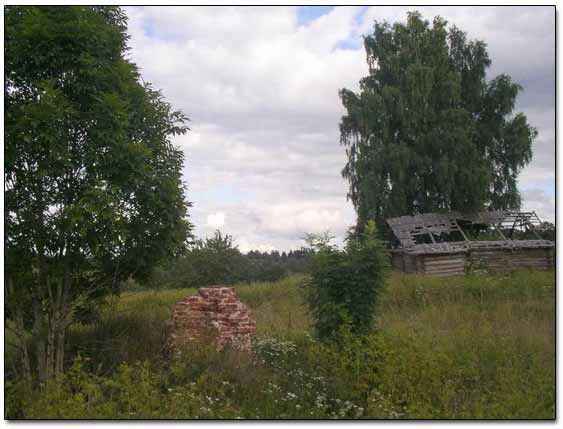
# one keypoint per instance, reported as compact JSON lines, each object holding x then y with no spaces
{"x":214,"y":261}
{"x":345,"y":284}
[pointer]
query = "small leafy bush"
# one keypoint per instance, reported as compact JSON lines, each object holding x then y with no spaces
{"x":344,"y":284}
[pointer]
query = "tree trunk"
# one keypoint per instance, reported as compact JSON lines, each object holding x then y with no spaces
{"x":20,"y":330}
{"x":37,"y":334}
{"x":26,"y":365}
{"x":40,"y":358}
{"x":50,"y":357}
{"x":60,"y":352}
{"x":53,"y":359}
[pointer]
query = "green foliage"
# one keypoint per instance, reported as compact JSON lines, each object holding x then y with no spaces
{"x":547,"y":231}
{"x":427,"y":131}
{"x":217,"y":260}
{"x":107,"y":342}
{"x":462,"y":347}
{"x":131,"y":392}
{"x":93,"y":186}
{"x":345,"y":284}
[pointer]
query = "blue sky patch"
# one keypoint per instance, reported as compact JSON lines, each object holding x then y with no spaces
{"x":226,"y":194}
{"x":150,"y":30}
{"x":354,"y":41}
{"x":352,"y":44}
{"x":307,"y":14}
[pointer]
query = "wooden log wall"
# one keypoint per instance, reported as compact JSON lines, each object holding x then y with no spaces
{"x":509,"y":260}
{"x":452,"y":264}
{"x":397,"y":261}
{"x":404,"y":262}
{"x":482,"y":259}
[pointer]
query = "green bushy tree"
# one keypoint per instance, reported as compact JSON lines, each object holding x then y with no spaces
{"x":547,"y":231}
{"x":345,"y":284}
{"x":93,"y":190}
{"x":216,"y":260}
{"x":210,"y":261}
{"x":427,"y":131}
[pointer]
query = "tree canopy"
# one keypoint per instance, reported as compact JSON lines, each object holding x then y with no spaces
{"x":93,"y":190}
{"x":427,"y":131}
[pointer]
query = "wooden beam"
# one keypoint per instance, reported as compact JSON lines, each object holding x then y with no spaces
{"x":531,"y":227}
{"x":500,"y":233}
{"x":462,"y":233}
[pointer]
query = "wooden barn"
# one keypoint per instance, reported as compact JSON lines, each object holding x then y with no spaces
{"x":453,"y":243}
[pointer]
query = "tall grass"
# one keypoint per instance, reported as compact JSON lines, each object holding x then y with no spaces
{"x":458,"y":347}
{"x":485,"y":345}
{"x":133,"y":326}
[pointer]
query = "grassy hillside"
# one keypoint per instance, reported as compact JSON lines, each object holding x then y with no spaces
{"x":463,"y":347}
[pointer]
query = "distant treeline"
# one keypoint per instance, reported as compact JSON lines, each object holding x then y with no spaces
{"x":217,"y":260}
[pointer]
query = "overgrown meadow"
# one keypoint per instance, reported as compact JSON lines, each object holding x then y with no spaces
{"x":459,"y":347}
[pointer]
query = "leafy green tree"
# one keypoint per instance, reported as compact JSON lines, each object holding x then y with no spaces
{"x":345,"y":284}
{"x":266,"y":267}
{"x":427,"y":131}
{"x":207,"y":262}
{"x":547,"y":231}
{"x":93,"y":190}
{"x":216,"y":260}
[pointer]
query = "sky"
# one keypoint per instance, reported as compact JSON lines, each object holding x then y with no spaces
{"x":260,"y":86}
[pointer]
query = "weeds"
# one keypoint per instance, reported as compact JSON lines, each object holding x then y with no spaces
{"x":468,"y":347}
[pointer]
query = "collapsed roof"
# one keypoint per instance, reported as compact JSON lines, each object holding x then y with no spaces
{"x":442,"y":233}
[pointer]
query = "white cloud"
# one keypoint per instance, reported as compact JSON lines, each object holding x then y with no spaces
{"x":536,"y":199}
{"x":245,"y":246}
{"x":216,"y":220}
{"x":262,"y":95}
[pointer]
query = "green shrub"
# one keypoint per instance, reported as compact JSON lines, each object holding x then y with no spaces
{"x":345,"y":284}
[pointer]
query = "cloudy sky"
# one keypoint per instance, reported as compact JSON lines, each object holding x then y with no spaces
{"x":260,"y":85}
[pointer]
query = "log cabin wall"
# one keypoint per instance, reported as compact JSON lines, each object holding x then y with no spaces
{"x":444,"y":265}
{"x":511,"y":259}
{"x":404,"y":262}
{"x":435,"y":243}
{"x":474,"y":260}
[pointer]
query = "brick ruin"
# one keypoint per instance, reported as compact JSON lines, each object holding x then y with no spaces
{"x":213,"y":314}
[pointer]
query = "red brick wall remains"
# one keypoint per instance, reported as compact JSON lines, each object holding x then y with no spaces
{"x":216,"y":314}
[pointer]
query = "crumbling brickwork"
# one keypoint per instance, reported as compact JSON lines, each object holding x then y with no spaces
{"x":216,"y":314}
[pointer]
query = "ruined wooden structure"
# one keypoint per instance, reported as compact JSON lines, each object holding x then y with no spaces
{"x":453,"y":243}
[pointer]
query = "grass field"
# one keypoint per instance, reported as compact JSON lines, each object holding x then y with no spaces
{"x":458,"y":347}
